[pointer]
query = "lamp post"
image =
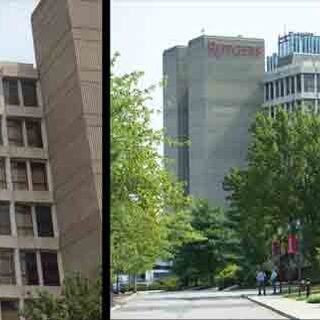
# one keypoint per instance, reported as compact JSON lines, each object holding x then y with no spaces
{"x":280,"y":245}
{"x":298,"y":227}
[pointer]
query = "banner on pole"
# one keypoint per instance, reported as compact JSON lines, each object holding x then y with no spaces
{"x":292,"y":244}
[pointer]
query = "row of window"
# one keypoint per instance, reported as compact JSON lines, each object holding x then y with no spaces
{"x":308,"y":105}
{"x":29,"y":267}
{"x":27,"y":89}
{"x":19,"y":176}
{"x":24,"y":220}
{"x":16,"y":136}
{"x":292,"y":85}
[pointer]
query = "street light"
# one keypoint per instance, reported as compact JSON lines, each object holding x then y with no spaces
{"x":298,"y":226}
{"x":280,"y":230}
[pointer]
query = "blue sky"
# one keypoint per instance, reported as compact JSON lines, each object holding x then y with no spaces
{"x":141,"y":30}
{"x":16,"y":43}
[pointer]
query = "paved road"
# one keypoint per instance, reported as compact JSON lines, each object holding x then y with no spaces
{"x":203,"y":304}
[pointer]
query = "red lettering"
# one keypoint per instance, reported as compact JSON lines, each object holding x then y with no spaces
{"x":219,"y":49}
{"x":259,"y":51}
{"x":236,"y":50}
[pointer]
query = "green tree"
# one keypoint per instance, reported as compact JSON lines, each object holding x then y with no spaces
{"x":149,"y":210}
{"x":80,"y":299}
{"x":281,"y":183}
{"x":200,"y":259}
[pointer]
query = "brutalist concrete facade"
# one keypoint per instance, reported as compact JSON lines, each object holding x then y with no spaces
{"x":67,"y":39}
{"x":19,"y":189}
{"x":213,"y":91}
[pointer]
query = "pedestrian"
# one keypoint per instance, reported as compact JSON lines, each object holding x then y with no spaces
{"x":261,"y":279}
{"x":273,"y":278}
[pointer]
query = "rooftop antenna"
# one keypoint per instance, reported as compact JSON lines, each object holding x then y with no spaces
{"x":202,"y":31}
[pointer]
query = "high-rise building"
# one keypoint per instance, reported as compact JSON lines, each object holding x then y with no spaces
{"x":29,"y":232}
{"x":67,"y":39}
{"x":50,"y":154}
{"x":214,"y":88}
{"x":292,"y":80}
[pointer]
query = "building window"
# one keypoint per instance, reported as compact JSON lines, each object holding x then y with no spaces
{"x":29,"y":92}
{"x":309,"y":106}
{"x":287,"y":86}
{"x":271,"y":90}
{"x":29,"y":270}
{"x":34,"y":133}
{"x":272,"y":114}
{"x":19,"y":175}
{"x":318,"y":84}
{"x":3,"y":179}
{"x":5,"y":225}
{"x":7,"y":270}
{"x":10,"y":88}
{"x":44,"y":221}
{"x":277,"y":89}
{"x":50,"y":269}
{"x":9,"y":310}
{"x":292,"y":85}
{"x":298,"y":83}
{"x":281,"y":87}
{"x":15,"y":137}
{"x":287,"y":107}
{"x":308,"y":79}
{"x":24,"y":221}
{"x":266,"y":91}
{"x":39,"y":177}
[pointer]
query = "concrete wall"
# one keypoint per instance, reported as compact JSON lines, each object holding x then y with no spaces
{"x":67,"y":39}
{"x":175,"y":115}
{"x":224,"y":85}
{"x":30,"y":197}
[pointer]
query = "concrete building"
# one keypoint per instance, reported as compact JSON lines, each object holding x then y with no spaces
{"x":214,"y":88}
{"x":292,"y":80}
{"x":50,"y":155}
{"x":67,"y":39}
{"x":29,"y":233}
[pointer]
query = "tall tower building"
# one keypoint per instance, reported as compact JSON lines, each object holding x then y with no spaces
{"x":67,"y":40}
{"x":212,"y":94}
{"x":292,"y":80}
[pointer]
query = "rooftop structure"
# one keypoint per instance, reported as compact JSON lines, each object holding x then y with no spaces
{"x":293,"y":43}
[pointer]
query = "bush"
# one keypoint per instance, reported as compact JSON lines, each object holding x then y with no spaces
{"x":227,"y":276}
{"x":167,"y":283}
{"x":314,"y":298}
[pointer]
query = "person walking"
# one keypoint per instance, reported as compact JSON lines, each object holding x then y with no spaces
{"x":261,"y":279}
{"x":273,"y":278}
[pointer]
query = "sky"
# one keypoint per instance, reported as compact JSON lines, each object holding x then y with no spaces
{"x":142,"y":30}
{"x":16,"y":43}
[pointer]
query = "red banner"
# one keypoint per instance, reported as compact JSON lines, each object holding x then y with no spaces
{"x":292,"y":244}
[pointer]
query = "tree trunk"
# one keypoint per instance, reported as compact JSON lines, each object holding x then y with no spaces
{"x":211,"y":280}
{"x":134,"y":283}
{"x":111,"y":294}
{"x":118,"y":289}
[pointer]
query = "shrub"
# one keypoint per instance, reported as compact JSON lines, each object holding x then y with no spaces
{"x":314,"y":298}
{"x":227,"y":276}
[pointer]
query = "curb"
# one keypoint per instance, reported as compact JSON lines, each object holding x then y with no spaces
{"x":124,"y":302}
{"x":281,"y":313}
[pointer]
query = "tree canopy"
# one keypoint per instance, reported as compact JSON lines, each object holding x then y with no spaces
{"x":201,"y":259}
{"x":149,"y":210}
{"x":281,"y":183}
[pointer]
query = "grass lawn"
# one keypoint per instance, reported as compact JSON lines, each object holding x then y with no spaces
{"x":295,"y":295}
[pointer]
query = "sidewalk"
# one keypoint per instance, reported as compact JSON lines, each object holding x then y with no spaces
{"x":121,"y":299}
{"x":289,"y":308}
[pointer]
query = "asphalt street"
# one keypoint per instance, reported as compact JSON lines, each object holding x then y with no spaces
{"x":204,"y":304}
